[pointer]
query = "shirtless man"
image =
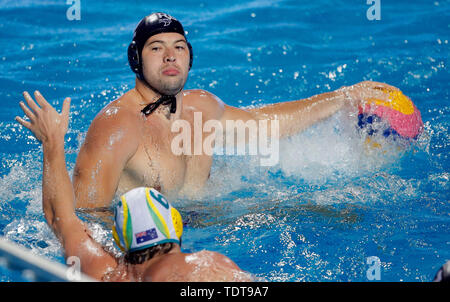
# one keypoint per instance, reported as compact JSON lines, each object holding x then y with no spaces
{"x":128,"y":144}
{"x":146,"y":227}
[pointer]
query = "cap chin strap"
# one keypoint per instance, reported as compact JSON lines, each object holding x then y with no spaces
{"x":163,"y":100}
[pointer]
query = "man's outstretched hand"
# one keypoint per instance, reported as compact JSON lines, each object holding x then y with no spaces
{"x":363,"y":91}
{"x":45,"y":123}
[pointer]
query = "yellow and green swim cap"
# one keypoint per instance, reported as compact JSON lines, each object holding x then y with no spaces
{"x":144,"y":218}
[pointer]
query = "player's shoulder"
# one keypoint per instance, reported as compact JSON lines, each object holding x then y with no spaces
{"x":116,"y":114}
{"x":204,"y":101}
{"x":116,"y":121}
{"x":210,"y":258}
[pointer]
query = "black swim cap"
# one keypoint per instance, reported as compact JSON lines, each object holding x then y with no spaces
{"x":151,"y":25}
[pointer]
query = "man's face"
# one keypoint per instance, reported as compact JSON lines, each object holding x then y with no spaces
{"x":165,"y":59}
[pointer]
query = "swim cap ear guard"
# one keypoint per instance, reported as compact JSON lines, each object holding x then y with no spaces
{"x":149,"y":26}
{"x":133,"y":57}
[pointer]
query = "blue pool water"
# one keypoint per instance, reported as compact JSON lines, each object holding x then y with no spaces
{"x":330,"y":203}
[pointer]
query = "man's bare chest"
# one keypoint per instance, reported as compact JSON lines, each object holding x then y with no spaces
{"x":155,"y":165}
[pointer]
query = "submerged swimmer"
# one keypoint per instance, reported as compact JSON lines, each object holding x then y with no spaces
{"x":146,"y":227}
{"x":128,"y":144}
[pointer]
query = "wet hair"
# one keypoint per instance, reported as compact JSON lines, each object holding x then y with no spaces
{"x":139,"y":257}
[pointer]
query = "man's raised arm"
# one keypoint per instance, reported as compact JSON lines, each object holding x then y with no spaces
{"x":295,"y":116}
{"x":49,"y":128}
{"x":58,"y":201}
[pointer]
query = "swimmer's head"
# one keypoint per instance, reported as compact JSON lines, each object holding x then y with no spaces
{"x":144,"y":219}
{"x":148,"y":27}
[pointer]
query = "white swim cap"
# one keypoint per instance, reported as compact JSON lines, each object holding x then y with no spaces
{"x":144,"y":218}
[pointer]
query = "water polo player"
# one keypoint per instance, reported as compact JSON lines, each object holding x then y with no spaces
{"x":128,"y":144}
{"x":147,"y":227}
